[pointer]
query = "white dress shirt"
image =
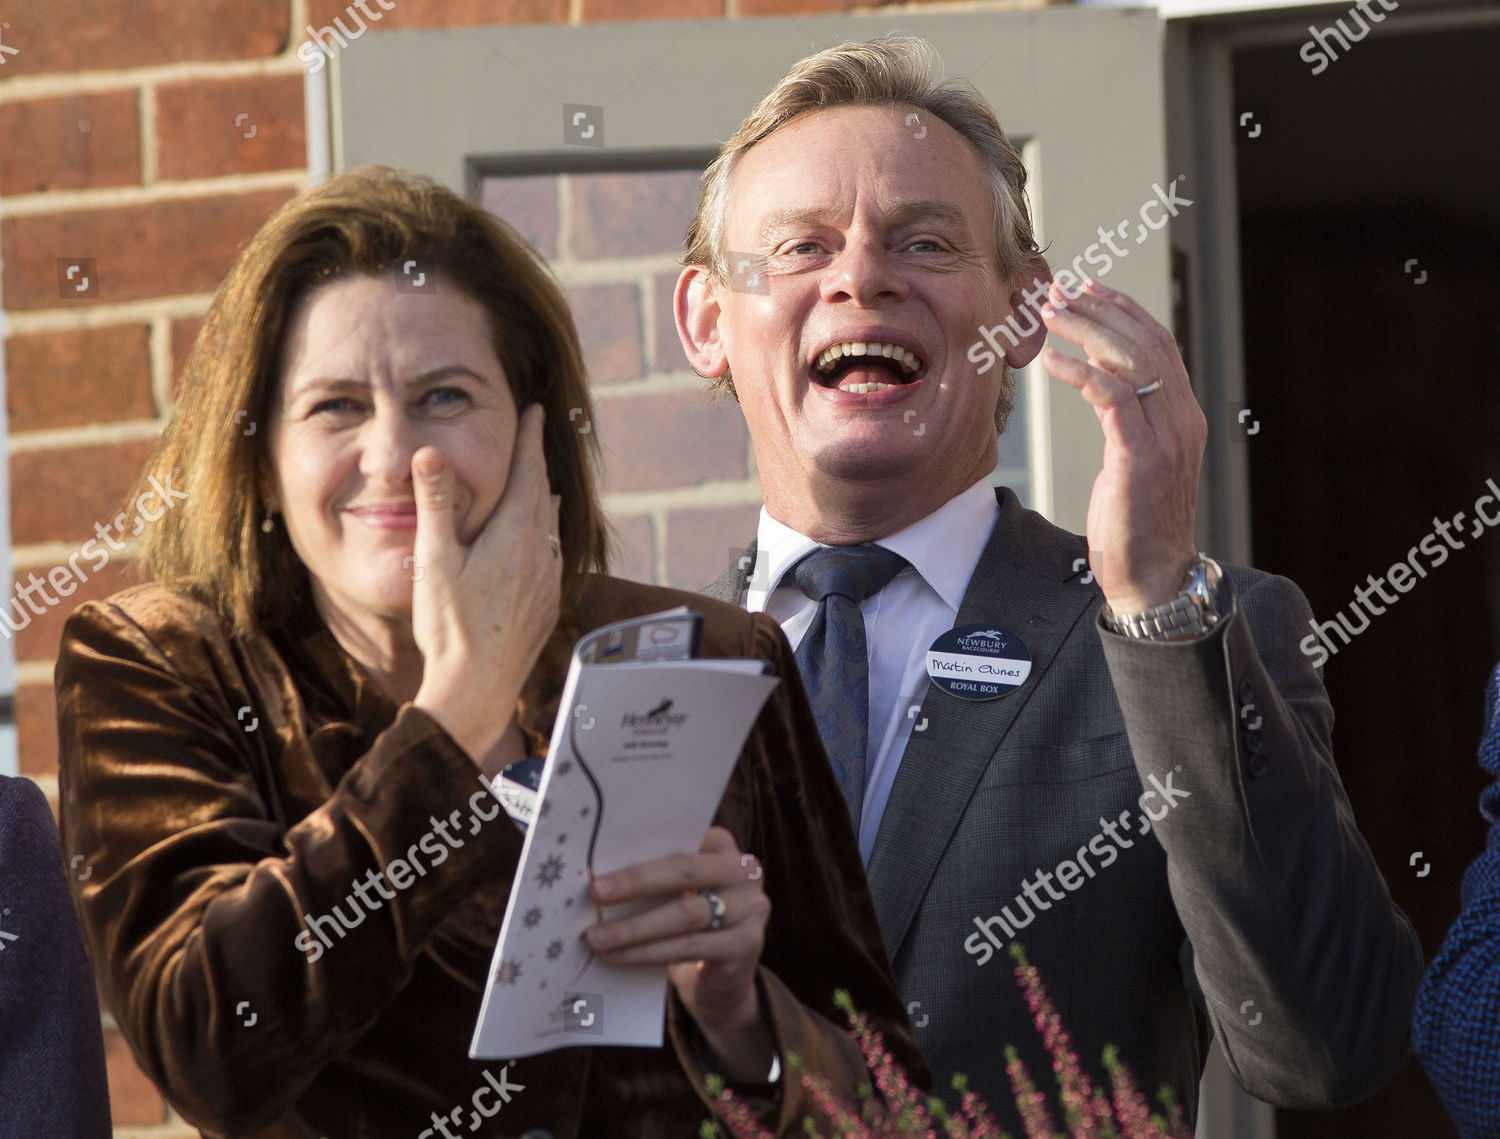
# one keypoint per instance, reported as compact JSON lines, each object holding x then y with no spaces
{"x":901,"y":621}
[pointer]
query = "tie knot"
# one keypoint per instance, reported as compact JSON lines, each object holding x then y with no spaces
{"x":855,"y":572}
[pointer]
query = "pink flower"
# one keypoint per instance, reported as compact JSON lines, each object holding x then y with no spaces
{"x":902,"y":1111}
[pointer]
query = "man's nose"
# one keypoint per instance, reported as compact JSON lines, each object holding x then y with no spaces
{"x":864,"y":272}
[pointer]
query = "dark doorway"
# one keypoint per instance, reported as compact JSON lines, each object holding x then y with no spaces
{"x":1379,"y":399}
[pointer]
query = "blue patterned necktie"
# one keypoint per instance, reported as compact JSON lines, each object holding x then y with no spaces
{"x":833,"y":656}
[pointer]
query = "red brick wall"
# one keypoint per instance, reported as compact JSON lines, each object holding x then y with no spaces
{"x":676,"y":468}
{"x":144,"y":141}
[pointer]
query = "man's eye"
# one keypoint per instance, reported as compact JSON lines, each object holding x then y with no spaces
{"x":805,"y":246}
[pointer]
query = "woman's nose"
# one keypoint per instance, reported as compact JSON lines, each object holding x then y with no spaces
{"x":387,"y":444}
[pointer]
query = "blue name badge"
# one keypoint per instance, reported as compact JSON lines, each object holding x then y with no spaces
{"x":978,"y":662}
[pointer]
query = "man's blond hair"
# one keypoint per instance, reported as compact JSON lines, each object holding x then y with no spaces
{"x":895,"y":70}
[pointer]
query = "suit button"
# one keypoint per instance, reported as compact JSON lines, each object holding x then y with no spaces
{"x":537,"y":1133}
{"x":1255,"y":766}
{"x":1254,"y":743}
{"x":1247,"y":692}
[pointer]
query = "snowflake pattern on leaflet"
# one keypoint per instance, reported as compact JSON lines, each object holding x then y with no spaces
{"x":532,"y":917}
{"x":554,"y":950}
{"x":509,"y":972}
{"x":564,"y":767}
{"x":551,"y":870}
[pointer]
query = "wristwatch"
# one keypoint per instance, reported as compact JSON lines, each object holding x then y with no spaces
{"x":1192,"y":613}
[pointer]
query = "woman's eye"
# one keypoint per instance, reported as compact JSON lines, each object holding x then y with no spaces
{"x":445,"y":397}
{"x":925,"y":241}
{"x":334,"y":404}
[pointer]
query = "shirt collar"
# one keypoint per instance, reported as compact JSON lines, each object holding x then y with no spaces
{"x":944,"y":547}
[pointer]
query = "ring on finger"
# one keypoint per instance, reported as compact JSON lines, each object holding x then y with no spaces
{"x":715,"y":909}
{"x":1154,"y":385}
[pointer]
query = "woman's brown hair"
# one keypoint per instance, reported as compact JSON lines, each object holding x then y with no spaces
{"x":369,"y":220}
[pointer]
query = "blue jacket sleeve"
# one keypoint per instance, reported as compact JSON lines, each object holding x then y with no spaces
{"x":52,"y":1076}
{"x":1456,"y":1029}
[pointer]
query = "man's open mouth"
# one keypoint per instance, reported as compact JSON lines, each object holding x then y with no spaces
{"x":862,"y":366}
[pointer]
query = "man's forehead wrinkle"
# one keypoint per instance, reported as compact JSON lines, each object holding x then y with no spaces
{"x":900,"y":212}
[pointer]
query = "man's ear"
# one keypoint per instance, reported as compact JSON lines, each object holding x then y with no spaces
{"x":695,"y":306}
{"x":1028,"y":294}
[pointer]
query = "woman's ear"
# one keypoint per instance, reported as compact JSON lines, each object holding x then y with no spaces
{"x":695,"y":306}
{"x":1028,"y":294}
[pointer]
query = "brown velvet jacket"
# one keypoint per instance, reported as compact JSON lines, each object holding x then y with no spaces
{"x":222,"y":789}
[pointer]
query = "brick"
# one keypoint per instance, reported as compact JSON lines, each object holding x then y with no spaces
{"x":608,"y":318}
{"x":133,"y":1098}
{"x":70,"y":142}
{"x":668,"y":354}
{"x":702,"y":542}
{"x":36,"y":730}
{"x":39,"y":639}
{"x":675,"y":439}
{"x":86,"y":35}
{"x":65,"y":379}
{"x":796,"y":7}
{"x":163,"y":248}
{"x":201,"y":134}
{"x":60,"y":492}
{"x":436,"y":14}
{"x":631,"y":215}
{"x":529,"y":203}
{"x":184,"y":332}
{"x":597,"y":11}
{"x":632,"y":548}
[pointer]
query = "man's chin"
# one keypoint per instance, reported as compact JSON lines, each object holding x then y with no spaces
{"x":872,"y":461}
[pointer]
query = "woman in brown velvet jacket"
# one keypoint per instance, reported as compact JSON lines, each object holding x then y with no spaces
{"x":374,"y":563}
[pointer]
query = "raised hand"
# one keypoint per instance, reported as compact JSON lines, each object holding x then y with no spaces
{"x":1140,"y":519}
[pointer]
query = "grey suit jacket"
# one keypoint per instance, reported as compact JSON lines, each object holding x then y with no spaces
{"x":1251,"y":909}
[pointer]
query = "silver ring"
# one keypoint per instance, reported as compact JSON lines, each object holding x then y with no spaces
{"x":716,"y":907}
{"x":556,"y":548}
{"x":1149,"y":388}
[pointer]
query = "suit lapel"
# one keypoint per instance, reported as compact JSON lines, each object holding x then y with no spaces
{"x":1021,"y":585}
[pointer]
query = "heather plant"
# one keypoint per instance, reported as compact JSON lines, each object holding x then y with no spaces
{"x":902,"y":1112}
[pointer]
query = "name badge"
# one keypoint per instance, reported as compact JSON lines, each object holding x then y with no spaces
{"x":978,"y":662}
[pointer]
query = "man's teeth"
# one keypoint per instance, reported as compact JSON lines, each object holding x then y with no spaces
{"x":909,"y":362}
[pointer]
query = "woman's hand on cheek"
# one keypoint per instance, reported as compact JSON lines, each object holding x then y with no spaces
{"x":482,"y":614}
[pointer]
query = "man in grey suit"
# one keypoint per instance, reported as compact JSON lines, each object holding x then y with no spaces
{"x":1129,"y":774}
